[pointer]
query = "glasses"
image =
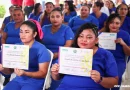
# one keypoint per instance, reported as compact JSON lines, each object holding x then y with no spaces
{"x":123,"y":9}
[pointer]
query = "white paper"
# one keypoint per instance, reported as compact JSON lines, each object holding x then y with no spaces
{"x":75,"y":61}
{"x":15,"y":56}
{"x":107,"y":40}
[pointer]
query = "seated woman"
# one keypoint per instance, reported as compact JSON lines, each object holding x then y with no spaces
{"x":104,"y":74}
{"x":84,"y":17}
{"x":101,"y":17}
{"x":68,"y":11}
{"x":37,"y":12}
{"x":44,"y":18}
{"x":39,"y":57}
{"x":55,"y":35}
{"x":113,"y":24}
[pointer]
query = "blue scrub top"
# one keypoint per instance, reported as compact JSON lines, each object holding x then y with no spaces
{"x":76,"y":22}
{"x":38,"y":53}
{"x":101,"y":19}
{"x":12,"y":33}
{"x":103,"y":62}
{"x":7,"y":20}
{"x":46,"y":21}
{"x":53,"y":41}
{"x":126,"y":25}
{"x":34,"y":17}
{"x":69,"y":16}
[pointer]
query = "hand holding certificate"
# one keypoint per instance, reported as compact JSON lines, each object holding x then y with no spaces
{"x":15,"y":56}
{"x":107,"y":40}
{"x":75,"y":61}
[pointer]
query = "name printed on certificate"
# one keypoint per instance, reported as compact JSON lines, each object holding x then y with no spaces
{"x":15,"y":56}
{"x":107,"y":40}
{"x":75,"y":61}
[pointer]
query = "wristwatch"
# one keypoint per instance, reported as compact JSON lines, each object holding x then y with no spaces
{"x":101,"y":78}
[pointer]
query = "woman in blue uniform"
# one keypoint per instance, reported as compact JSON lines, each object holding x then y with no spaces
{"x":55,"y":35}
{"x":44,"y":18}
{"x":122,"y":44}
{"x":122,"y":10}
{"x":37,"y":12}
{"x":104,"y":69}
{"x":84,"y":17}
{"x":39,"y":57}
{"x":68,"y":11}
{"x":101,"y":17}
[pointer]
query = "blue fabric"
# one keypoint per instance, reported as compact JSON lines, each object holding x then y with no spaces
{"x":46,"y":21}
{"x":101,"y":19}
{"x":34,"y":17}
{"x":69,"y":16}
{"x":12,"y":33}
{"x":37,"y":54}
{"x":103,"y":62}
{"x":76,"y":22}
{"x":7,"y":20}
{"x":120,"y":55}
{"x":113,"y":9}
{"x":126,"y":25}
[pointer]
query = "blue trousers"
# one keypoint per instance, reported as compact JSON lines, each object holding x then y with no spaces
{"x":14,"y":85}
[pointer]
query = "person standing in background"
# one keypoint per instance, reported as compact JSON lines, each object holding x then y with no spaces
{"x":28,"y":6}
{"x":17,"y":2}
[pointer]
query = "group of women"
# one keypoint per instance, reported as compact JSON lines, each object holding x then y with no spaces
{"x":69,"y":30}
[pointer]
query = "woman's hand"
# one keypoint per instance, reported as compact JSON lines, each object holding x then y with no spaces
{"x":1,"y":67}
{"x":95,"y":75}
{"x":120,"y":41}
{"x":55,"y":55}
{"x":55,"y":69}
{"x":19,"y":72}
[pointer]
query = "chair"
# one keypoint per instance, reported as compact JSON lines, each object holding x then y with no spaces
{"x":47,"y":82}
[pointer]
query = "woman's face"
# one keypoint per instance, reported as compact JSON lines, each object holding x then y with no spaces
{"x":107,"y":4}
{"x":66,"y":6}
{"x":95,"y":8}
{"x":56,"y":18}
{"x":115,"y":25}
{"x":84,"y":11}
{"x":40,"y":8}
{"x":49,"y":8}
{"x":123,"y":10}
{"x":18,"y":16}
{"x":87,"y":39}
{"x":26,"y":34}
{"x":11,"y":11}
{"x":111,"y":5}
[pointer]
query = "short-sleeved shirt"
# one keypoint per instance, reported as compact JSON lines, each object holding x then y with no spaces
{"x":53,"y":41}
{"x":103,"y":62}
{"x":76,"y":22}
{"x":126,"y":25}
{"x":101,"y":19}
{"x":38,"y":53}
{"x":7,"y":20}
{"x":34,"y":17}
{"x":12,"y":33}
{"x":69,"y":16}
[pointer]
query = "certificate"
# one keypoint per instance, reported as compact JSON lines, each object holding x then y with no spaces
{"x":107,"y":40}
{"x":75,"y":61}
{"x":15,"y":56}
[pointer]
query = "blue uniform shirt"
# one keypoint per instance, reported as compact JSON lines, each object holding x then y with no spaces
{"x":76,"y":22}
{"x":38,"y":53}
{"x":103,"y":62}
{"x":69,"y":16}
{"x":12,"y":33}
{"x":101,"y":19}
{"x":34,"y":17}
{"x":7,"y":20}
{"x":126,"y":25}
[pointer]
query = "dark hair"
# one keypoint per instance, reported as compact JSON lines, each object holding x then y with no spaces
{"x":47,"y":4}
{"x":112,"y":3}
{"x":86,"y":5}
{"x":110,"y":19}
{"x":99,"y":4}
{"x":58,"y":10}
{"x":91,"y":26}
{"x":33,"y":26}
{"x":36,"y":8}
{"x":71,"y":6}
{"x":120,"y":7}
